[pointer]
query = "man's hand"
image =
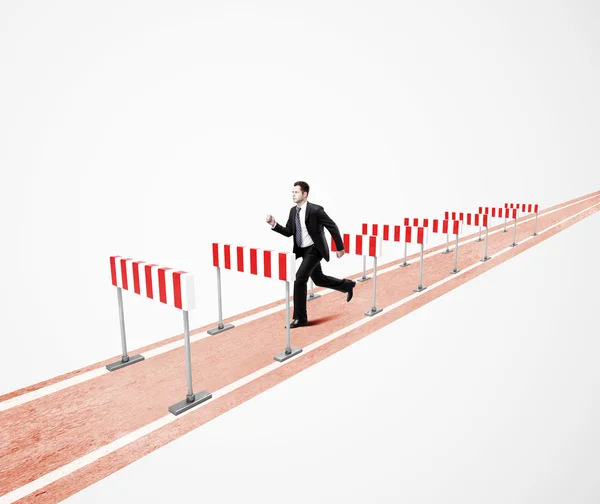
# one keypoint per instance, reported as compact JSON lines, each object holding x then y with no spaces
{"x":340,"y":253}
{"x":270,"y":220}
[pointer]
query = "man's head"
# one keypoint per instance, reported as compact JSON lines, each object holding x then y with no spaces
{"x":300,"y":192}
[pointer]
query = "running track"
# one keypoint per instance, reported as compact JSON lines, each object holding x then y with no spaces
{"x":62,"y":435}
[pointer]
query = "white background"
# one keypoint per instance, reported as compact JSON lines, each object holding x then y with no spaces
{"x":151,"y":129}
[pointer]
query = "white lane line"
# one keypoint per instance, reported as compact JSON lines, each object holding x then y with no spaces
{"x":49,"y":389}
{"x":91,"y":457}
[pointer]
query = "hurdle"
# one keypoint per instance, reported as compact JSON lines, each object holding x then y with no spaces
{"x":163,"y":284}
{"x":444,"y":226}
{"x":418,"y":236}
{"x":416,"y":222}
{"x":515,"y":207}
{"x":263,"y":263}
{"x":531,"y":208}
{"x":312,"y":294}
{"x":452,"y":216}
{"x":480,"y":219}
{"x":364,"y":245}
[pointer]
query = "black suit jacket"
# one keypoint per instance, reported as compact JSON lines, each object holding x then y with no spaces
{"x":316,"y":219}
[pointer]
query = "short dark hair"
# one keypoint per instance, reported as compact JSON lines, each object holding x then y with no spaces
{"x":304,"y":187}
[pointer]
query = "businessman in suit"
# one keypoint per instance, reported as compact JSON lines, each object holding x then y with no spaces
{"x":305,"y":224}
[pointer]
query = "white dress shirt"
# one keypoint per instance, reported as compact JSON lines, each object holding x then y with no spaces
{"x":306,"y":239}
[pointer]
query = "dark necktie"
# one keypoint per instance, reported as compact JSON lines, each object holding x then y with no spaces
{"x":298,"y":234}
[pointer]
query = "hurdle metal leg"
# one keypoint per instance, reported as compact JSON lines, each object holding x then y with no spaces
{"x":126,"y":360}
{"x":404,"y":264}
{"x":485,"y":256}
{"x":514,"y":243}
{"x":535,"y":225}
{"x":480,"y":238}
{"x":420,"y":287}
{"x":191,"y":399}
{"x":220,"y":327}
{"x":364,"y":277}
{"x":374,"y":310}
{"x":289,"y":350}
{"x":447,"y":245}
{"x":312,"y":294}
{"x":505,"y":230}
{"x":455,"y":257}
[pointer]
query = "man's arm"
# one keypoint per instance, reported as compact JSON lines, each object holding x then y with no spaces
{"x":332,"y":228}
{"x":285,"y":231}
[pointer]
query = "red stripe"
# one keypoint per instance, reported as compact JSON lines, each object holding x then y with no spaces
{"x":375,"y":229}
{"x":456,"y":225}
{"x":177,"y":288}
{"x":136,"y":276}
{"x":162,"y":284}
{"x":282,"y":268}
{"x":267,"y":258}
{"x":253,"y":262}
{"x":420,"y":234}
{"x":227,"y":257}
{"x":397,"y":233}
{"x":124,"y":273}
{"x":148,"y":272}
{"x":435,"y":225}
{"x":113,"y":270}
{"x":386,"y":232}
{"x":359,"y":244}
{"x":536,"y":209}
{"x":365,"y":229}
{"x":373,"y":246}
{"x":446,"y":215}
{"x":445,"y":226}
{"x":408,"y":234}
{"x":485,"y":221}
{"x":480,"y":209}
{"x":240,"y":259}
{"x":415,"y":222}
{"x":215,"y":247}
{"x":346,"y":242}
{"x":426,"y":222}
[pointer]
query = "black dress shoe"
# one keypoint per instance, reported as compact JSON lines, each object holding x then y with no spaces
{"x":298,"y":323}
{"x":351,"y":292}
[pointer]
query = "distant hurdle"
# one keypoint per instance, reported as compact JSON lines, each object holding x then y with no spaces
{"x":264,"y":263}
{"x":163,"y":284}
{"x":452,"y":216}
{"x":447,"y":227}
{"x":512,"y":208}
{"x":480,"y":219}
{"x":365,"y":245}
{"x":531,"y":208}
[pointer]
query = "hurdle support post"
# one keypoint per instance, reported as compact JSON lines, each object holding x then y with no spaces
{"x":364,"y":277}
{"x":505,"y":230}
{"x":514,"y":243}
{"x":405,"y":264}
{"x":191,"y":399}
{"x":420,"y":287}
{"x":126,"y":360}
{"x":447,"y":245}
{"x":455,"y":256}
{"x":220,"y":327}
{"x":312,"y":294}
{"x":374,"y":310}
{"x":289,"y":350}
{"x":485,"y":256}
{"x":535,"y":225}
{"x":480,"y":238}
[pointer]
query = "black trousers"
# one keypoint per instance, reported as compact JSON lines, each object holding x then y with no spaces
{"x":311,"y":267}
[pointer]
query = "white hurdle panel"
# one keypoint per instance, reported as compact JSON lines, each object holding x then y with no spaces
{"x":260,"y":262}
{"x":365,"y":245}
{"x":165,"y":285}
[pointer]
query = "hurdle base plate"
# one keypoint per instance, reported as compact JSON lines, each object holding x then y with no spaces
{"x":513,"y":244}
{"x":372,"y":312}
{"x":181,"y":406}
{"x":505,"y":231}
{"x":218,"y":330}
{"x":534,"y":234}
{"x":447,"y":251}
{"x":422,"y":288}
{"x":120,"y":364}
{"x":479,"y":240}
{"x":280,"y":357}
{"x":485,"y":259}
{"x":363,"y":279}
{"x":404,"y":265}
{"x":453,"y":272}
{"x":310,"y":298}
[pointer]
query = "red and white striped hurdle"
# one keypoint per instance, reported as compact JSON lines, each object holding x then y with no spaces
{"x":447,"y":227}
{"x":512,"y":211}
{"x":386,"y":231}
{"x":165,"y":285}
{"x":260,"y":262}
{"x":364,"y":245}
{"x":452,"y":216}
{"x":531,"y":208}
{"x":480,"y":219}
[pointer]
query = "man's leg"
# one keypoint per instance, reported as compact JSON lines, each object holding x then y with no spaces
{"x":309,"y":261}
{"x":322,"y":280}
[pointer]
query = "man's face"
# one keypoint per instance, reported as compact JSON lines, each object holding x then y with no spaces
{"x":297,"y":195}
